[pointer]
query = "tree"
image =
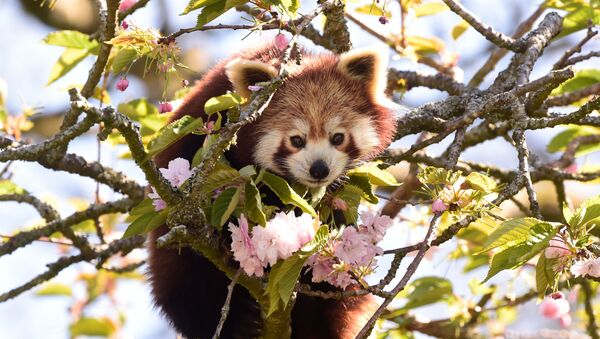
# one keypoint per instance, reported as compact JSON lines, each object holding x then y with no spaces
{"x":466,"y":198}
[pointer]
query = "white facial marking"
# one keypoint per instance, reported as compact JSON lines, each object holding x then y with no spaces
{"x":364,"y":135}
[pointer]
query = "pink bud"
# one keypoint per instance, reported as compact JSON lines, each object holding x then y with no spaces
{"x":185,"y":83}
{"x":164,"y":107}
{"x":122,"y":84}
{"x":124,"y":25}
{"x":556,"y":249}
{"x":281,"y":42}
{"x":126,"y":4}
{"x":383,"y":20}
{"x":438,"y":206}
{"x":571,"y":169}
{"x":339,"y":204}
{"x":254,"y":88}
{"x":554,"y":308}
{"x":209,"y":126}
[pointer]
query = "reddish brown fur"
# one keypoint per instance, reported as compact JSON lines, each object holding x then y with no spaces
{"x":189,"y":290}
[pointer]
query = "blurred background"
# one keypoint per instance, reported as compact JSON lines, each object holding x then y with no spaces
{"x":25,"y":66}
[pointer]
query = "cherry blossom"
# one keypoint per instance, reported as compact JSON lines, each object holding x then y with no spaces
{"x":177,"y":171}
{"x":557,"y":248}
{"x":438,"y":206}
{"x":243,"y":249}
{"x":164,"y":107}
{"x":585,"y":267}
{"x":555,"y":306}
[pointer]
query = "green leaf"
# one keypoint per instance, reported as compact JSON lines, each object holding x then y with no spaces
{"x":424,"y":291}
{"x":544,"y":275}
{"x":423,"y":45}
{"x":562,"y":139}
{"x":459,"y":29}
{"x":222,"y":103}
{"x":171,"y":133}
{"x":124,"y":57}
{"x":351,"y":195}
{"x":517,"y":255}
{"x":70,"y":58}
{"x":224,"y":206}
{"x":197,"y":4}
{"x":282,"y":279}
{"x":586,"y":213}
{"x":480,"y":182}
{"x":365,"y":185}
{"x":209,"y":140}
{"x":222,"y":175}
{"x":509,"y":233}
{"x":567,"y":213}
{"x":376,"y":175}
{"x":142,"y":208}
{"x":135,"y":109}
{"x":146,"y":223}
{"x":582,"y":79}
{"x":54,"y":289}
{"x":578,"y":19}
{"x":9,"y":187}
{"x":291,"y":6}
{"x":286,"y":194}
{"x":92,"y":327}
{"x":214,"y":10}
{"x":71,"y":39}
{"x":430,"y":8}
{"x":372,"y":9}
{"x":253,"y":205}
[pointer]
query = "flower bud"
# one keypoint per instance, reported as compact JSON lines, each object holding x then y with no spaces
{"x":383,"y":20}
{"x":122,"y":84}
{"x":126,"y":4}
{"x":164,"y":107}
{"x":281,"y":42}
{"x":438,"y":206}
{"x":124,"y":24}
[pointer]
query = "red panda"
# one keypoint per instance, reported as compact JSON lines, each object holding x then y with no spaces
{"x":330,"y":113}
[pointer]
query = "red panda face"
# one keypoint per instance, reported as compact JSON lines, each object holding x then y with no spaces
{"x":327,"y":116}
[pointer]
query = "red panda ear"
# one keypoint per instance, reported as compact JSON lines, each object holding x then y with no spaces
{"x":243,"y":73}
{"x":368,"y":65}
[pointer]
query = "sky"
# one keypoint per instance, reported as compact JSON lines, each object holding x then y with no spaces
{"x":25,"y":64}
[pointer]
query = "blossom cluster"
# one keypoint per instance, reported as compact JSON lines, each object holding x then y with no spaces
{"x":353,"y":251}
{"x":283,"y":235}
{"x":559,"y":248}
{"x":556,"y":306}
{"x":176,"y":173}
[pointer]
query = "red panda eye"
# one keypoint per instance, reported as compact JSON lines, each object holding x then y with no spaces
{"x":337,"y":139}
{"x":297,"y":141}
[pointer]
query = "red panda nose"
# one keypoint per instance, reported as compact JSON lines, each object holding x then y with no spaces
{"x":319,"y":170}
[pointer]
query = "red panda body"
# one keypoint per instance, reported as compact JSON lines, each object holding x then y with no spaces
{"x":328,"y":115}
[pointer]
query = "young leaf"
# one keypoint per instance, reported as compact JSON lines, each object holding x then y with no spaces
{"x":197,"y":4}
{"x":92,"y":327}
{"x":562,"y":139}
{"x":430,"y":8}
{"x":172,"y":132}
{"x":544,"y":275}
{"x":365,"y":185}
{"x":459,"y":29}
{"x":71,"y":39}
{"x":70,"y":58}
{"x":146,"y":223}
{"x":9,"y":187}
{"x":214,"y":10}
{"x":425,"y":291}
{"x":372,"y":9}
{"x":587,"y":212}
{"x":124,"y":57}
{"x":376,"y":175}
{"x":222,"y":175}
{"x":507,"y":259}
{"x":222,"y":103}
{"x":223,"y":206}
{"x":509,"y":233}
{"x":282,"y":279}
{"x":54,"y":289}
{"x":203,"y":151}
{"x":253,"y":205}
{"x":142,"y":208}
{"x":351,"y":196}
{"x":286,"y":194}
{"x":480,"y":182}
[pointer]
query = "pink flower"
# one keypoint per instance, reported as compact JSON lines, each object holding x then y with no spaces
{"x":122,"y":84}
{"x":254,"y":88}
{"x":585,"y":267}
{"x":281,"y":42}
{"x":164,"y":107}
{"x":126,"y":4}
{"x":376,"y":225}
{"x":177,"y":171}
{"x":565,"y":320}
{"x":209,"y":125}
{"x":339,"y":204}
{"x":438,"y":206}
{"x":324,"y":269}
{"x":555,"y":306}
{"x":124,"y":24}
{"x":356,"y":248}
{"x":283,"y":235}
{"x":557,"y":248}
{"x":243,"y":248}
{"x":157,"y":202}
{"x":383,"y":20}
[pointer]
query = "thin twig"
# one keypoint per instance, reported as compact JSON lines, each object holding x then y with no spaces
{"x":226,"y":305}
